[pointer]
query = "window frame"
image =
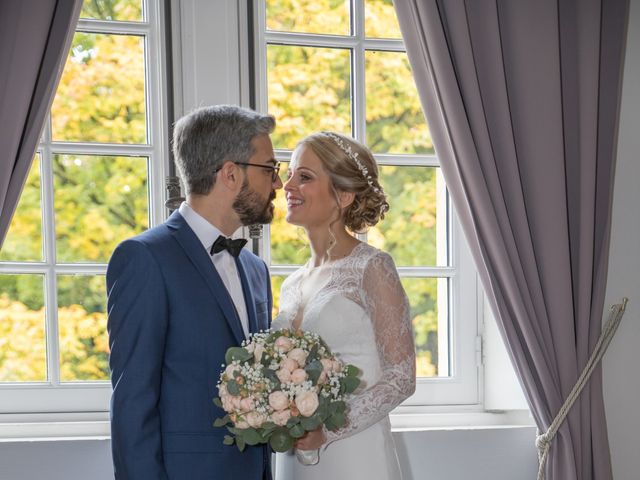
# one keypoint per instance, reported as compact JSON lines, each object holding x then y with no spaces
{"x":463,"y":387}
{"x":52,"y":395}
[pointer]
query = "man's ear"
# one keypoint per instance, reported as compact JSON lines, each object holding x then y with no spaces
{"x":229,"y":176}
{"x":346,"y":199}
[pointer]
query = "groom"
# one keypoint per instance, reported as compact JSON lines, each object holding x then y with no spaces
{"x":183,"y":292}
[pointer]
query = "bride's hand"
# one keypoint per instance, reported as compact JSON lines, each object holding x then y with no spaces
{"x":311,"y":440}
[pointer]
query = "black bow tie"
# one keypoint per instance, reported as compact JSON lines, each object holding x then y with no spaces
{"x":234,"y":247}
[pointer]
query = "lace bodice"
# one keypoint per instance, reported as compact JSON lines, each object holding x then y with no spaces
{"x":362,"y":312}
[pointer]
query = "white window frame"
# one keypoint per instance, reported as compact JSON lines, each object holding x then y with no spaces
{"x":463,"y":387}
{"x":53,"y":396}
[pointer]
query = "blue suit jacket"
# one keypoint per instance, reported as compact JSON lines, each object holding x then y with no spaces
{"x":170,"y":323}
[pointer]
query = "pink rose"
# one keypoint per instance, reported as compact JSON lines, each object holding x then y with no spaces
{"x":299,"y":355}
{"x":278,"y":400}
{"x":230,"y":370}
{"x":246,"y":404}
{"x":327,"y":365}
{"x":255,"y":419}
{"x":289,"y":364}
{"x":283,"y":344}
{"x":222,"y":390}
{"x":235,"y":401}
{"x":240,"y":422}
{"x":250,"y":347}
{"x":322,"y":379}
{"x":298,"y":376}
{"x":307,"y":403}
{"x":336,"y":365}
{"x":284,"y":375}
{"x":281,"y":417}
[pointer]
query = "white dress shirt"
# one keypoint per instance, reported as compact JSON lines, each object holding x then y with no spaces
{"x":223,"y":261}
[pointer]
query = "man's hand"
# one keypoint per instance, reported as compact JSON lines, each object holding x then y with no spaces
{"x":311,"y":440}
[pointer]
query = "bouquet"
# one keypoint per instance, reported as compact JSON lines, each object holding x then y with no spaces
{"x":279,"y":385}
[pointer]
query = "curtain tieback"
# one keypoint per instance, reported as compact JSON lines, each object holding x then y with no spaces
{"x":543,"y":440}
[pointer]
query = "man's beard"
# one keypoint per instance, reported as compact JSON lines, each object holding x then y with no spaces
{"x":251,"y":207}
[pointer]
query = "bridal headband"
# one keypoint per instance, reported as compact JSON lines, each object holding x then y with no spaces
{"x":354,"y":156}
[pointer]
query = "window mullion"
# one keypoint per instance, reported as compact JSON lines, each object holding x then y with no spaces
{"x":49,"y":235}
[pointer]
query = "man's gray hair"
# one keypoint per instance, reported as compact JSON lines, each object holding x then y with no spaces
{"x":206,"y":138}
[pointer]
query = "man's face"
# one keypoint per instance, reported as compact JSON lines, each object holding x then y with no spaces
{"x":254,"y":201}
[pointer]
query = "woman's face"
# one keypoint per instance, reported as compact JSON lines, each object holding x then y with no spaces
{"x":311,"y":202}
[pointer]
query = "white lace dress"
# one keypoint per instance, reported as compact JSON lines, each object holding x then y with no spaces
{"x":362,"y":312}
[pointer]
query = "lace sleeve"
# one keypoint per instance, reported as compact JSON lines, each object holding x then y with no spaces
{"x":388,"y":307}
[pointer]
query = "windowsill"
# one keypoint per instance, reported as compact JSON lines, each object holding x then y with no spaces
{"x":95,"y":425}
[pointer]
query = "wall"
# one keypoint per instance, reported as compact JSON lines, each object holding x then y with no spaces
{"x":620,"y":364}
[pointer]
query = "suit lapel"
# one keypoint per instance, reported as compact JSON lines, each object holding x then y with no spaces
{"x":248,"y":295}
{"x":201,"y":260}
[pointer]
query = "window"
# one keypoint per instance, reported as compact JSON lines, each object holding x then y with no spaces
{"x":97,"y":179}
{"x":341,"y":65}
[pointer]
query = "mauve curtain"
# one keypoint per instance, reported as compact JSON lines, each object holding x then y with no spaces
{"x":522,"y":99}
{"x":35,"y":36}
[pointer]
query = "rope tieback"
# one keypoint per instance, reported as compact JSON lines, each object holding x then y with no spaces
{"x":543,"y":440}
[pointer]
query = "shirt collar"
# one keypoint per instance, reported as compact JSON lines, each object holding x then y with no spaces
{"x":205,"y":231}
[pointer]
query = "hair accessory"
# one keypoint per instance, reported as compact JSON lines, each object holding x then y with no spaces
{"x":354,"y":156}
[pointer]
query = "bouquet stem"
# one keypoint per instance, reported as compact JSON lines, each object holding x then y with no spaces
{"x":308,"y":457}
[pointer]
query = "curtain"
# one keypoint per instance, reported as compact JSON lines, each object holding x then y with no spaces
{"x":522,"y":99}
{"x":35,"y":36}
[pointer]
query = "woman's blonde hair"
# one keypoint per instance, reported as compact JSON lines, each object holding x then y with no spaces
{"x":351,"y":168}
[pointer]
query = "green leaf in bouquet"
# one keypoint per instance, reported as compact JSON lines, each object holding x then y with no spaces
{"x":338,"y":406}
{"x":297,"y":431}
{"x":228,"y":440}
{"x":251,"y":436}
{"x":233,"y":387}
{"x":348,"y":384}
{"x":314,"y":369}
{"x":240,"y":443}
{"x":312,"y":422}
{"x":313,"y":354}
{"x":293,"y":421}
{"x":217,"y":402}
{"x":221,"y":422}
{"x":335,"y":421}
{"x":271,"y":375}
{"x":237,"y":353}
{"x":352,"y":370}
{"x":280,"y":440}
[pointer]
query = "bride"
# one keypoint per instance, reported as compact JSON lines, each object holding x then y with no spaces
{"x":350,"y":294}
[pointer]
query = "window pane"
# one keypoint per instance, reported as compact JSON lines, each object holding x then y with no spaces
{"x":395,"y":122}
{"x":24,"y":238}
{"x":22,"y":329}
{"x":380,"y":19}
{"x":289,"y":245}
{"x":98,"y":202}
{"x":82,"y":324}
{"x":309,"y":89}
{"x":276,"y":285}
{"x":430,"y":319}
{"x":330,"y":17}
{"x":130,"y":10}
{"x":101,"y":96}
{"x":414,"y":231}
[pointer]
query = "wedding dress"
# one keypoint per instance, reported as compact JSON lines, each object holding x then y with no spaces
{"x":362,"y":313}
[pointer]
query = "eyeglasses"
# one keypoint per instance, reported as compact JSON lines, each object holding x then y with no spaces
{"x":275,"y":169}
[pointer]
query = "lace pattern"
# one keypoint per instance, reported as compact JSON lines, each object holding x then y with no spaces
{"x":368,"y":278}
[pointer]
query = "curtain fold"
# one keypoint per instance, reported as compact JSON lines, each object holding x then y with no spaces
{"x":523,"y":100}
{"x":35,"y":36}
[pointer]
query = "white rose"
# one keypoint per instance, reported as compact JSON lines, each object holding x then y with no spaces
{"x":283,"y":375}
{"x":289,"y":364}
{"x":283,"y":344}
{"x":307,"y":403}
{"x":298,"y":355}
{"x":250,"y":347}
{"x":257,"y":353}
{"x":278,"y":400}
{"x":255,"y":419}
{"x":241,"y":423}
{"x":298,"y":376}
{"x":281,"y":417}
